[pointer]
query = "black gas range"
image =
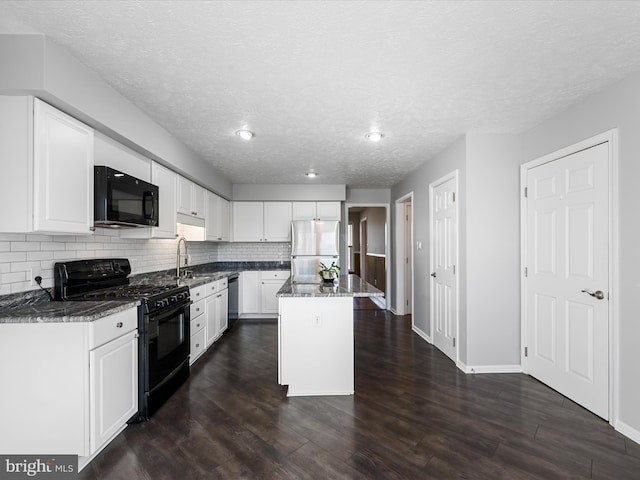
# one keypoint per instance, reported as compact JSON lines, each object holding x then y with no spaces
{"x":163,"y":321}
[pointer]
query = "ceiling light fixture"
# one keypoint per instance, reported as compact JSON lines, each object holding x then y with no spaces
{"x":311,"y":174}
{"x":245,"y":134}
{"x":374,"y":136}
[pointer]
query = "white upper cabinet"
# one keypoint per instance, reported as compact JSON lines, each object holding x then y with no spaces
{"x":316,"y":211}
{"x":247,"y":221}
{"x":47,"y":158}
{"x":217,"y":218}
{"x":113,"y":154}
{"x":191,"y":198}
{"x":261,"y":221}
{"x":167,"y":183}
{"x":277,"y":221}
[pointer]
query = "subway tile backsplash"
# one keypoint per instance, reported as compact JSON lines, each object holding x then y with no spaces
{"x":23,"y":256}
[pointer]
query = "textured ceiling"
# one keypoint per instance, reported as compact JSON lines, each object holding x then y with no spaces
{"x":311,"y":78}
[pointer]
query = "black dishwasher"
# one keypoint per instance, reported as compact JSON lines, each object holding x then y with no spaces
{"x":234,"y":312}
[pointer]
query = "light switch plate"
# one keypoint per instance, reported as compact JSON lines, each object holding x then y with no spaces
{"x":316,"y":319}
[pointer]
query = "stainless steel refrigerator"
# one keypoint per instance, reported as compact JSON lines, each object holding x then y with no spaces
{"x":313,"y":243}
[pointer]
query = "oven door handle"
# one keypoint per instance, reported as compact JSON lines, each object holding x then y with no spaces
{"x":162,"y":316}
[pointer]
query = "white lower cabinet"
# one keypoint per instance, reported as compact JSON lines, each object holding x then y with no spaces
{"x":258,"y":291}
{"x":76,"y":390}
{"x":217,"y":310}
{"x":209,"y":316}
{"x":270,"y":283}
{"x":114,"y":387}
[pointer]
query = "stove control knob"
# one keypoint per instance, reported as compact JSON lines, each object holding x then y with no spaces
{"x":173,"y":299}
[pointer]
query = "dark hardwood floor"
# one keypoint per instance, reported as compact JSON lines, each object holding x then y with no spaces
{"x":414,"y":416}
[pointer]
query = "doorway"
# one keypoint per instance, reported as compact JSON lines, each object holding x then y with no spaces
{"x":567,"y":256}
{"x":404,"y":255}
{"x":368,"y":246}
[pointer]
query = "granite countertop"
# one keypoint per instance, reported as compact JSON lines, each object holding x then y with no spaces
{"x":347,"y":286}
{"x":34,"y":306}
{"x":62,"y":312}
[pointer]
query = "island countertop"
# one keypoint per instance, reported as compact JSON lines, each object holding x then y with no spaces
{"x":347,"y":286}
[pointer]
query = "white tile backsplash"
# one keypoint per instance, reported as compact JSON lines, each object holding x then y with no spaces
{"x":19,"y":253}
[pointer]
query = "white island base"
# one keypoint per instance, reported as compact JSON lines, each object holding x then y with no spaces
{"x":315,"y":342}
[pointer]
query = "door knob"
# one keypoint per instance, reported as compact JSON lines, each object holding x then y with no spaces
{"x":433,"y":274}
{"x":597,"y":294}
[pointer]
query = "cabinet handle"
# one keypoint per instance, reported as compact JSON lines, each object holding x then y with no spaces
{"x":197,"y":325}
{"x":197,"y":345}
{"x":197,"y":309}
{"x":119,"y":325}
{"x":93,"y":229}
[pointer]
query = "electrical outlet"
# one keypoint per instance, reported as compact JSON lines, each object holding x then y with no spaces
{"x":316,"y":319}
{"x":33,"y":273}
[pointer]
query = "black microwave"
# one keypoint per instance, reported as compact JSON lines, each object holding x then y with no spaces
{"x":122,"y":200}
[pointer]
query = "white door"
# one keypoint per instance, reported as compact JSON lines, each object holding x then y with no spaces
{"x":444,"y":256}
{"x":567,"y":231}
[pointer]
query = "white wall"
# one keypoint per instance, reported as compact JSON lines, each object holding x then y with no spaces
{"x":616,"y":107}
{"x":452,"y":158}
{"x":299,"y":192}
{"x":370,"y":196}
{"x":376,"y":228}
{"x":493,"y":251}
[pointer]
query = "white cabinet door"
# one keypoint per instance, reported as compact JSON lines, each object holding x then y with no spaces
{"x":224,"y":216}
{"x":270,"y":283}
{"x":62,"y":172}
{"x":277,"y":221}
{"x":250,"y":297}
{"x":185,"y":196}
{"x":191,"y":198}
{"x":216,"y":218}
{"x":304,"y":211}
{"x":211,"y":218}
{"x":217,"y":310}
{"x":328,"y":211}
{"x":211,"y":314}
{"x":222,"y":312}
{"x":316,"y":211}
{"x":166,"y":180}
{"x":247,"y":221}
{"x":113,"y":387}
{"x":199,"y":200}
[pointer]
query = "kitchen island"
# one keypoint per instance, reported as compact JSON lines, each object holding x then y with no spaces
{"x":315,"y":335}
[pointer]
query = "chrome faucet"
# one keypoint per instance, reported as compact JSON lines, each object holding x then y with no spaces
{"x":186,"y":256}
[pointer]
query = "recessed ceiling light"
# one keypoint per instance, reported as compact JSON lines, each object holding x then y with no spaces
{"x":374,"y":136}
{"x":311,"y":174}
{"x":245,"y":134}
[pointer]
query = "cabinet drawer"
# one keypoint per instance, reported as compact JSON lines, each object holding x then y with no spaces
{"x":275,"y":275}
{"x":198,"y":345}
{"x":223,"y":283}
{"x":198,"y":293}
{"x":211,"y":288}
{"x":197,"y":325}
{"x":197,"y":308}
{"x":108,"y":328}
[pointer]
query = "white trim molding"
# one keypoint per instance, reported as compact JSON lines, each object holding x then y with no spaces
{"x":421,"y":334}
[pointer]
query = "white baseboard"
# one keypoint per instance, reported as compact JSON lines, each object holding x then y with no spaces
{"x":421,"y":334}
{"x":472,"y":369}
{"x":627,"y":431}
